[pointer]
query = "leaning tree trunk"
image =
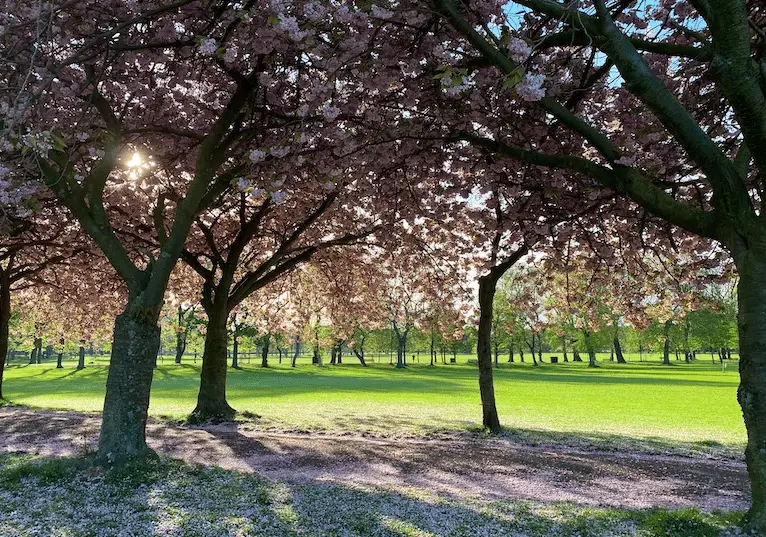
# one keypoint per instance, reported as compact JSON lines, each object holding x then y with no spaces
{"x":666,"y":349}
{"x":5,"y":318}
{"x":211,"y":400}
{"x":490,"y":418}
{"x":618,"y":349}
{"x":751,"y":323}
{"x":135,"y":344}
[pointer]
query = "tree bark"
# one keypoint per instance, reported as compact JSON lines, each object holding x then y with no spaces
{"x":490,"y":418}
{"x":751,"y":324}
{"x":510,"y":353}
{"x":135,"y":344}
{"x":564,"y":348}
{"x":211,"y":400}
{"x":666,"y":349}
{"x":5,"y":318}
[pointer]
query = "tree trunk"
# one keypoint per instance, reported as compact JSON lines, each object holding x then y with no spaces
{"x":294,"y":359}
{"x":211,"y":400}
{"x":433,"y":351}
{"x":401,"y":347}
{"x":180,"y":336}
{"x":564,"y":348}
{"x":532,"y":349}
{"x":540,"y":346}
{"x":618,"y":350}
{"x":576,"y":356}
{"x":5,"y":318}
{"x":81,"y":355}
{"x":135,"y":344}
{"x":497,"y":354}
{"x":333,"y":355}
{"x":490,"y":418}
{"x":510,"y":353}
{"x":234,"y":350}
{"x":591,"y":350}
{"x":666,"y":350}
{"x":751,"y":323}
{"x":265,"y":350}
{"x":60,"y":359}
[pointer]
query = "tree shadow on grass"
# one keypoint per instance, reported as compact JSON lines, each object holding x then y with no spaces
{"x":168,"y":497}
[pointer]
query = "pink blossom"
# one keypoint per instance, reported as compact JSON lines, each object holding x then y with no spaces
{"x":208,"y":47}
{"x":330,"y":112}
{"x":625,"y":161}
{"x":519,"y":50}
{"x":531,"y":88}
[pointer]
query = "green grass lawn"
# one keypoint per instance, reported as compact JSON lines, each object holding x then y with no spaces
{"x":682,"y":404}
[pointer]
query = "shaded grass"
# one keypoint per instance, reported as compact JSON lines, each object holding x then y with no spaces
{"x":692,"y":405}
{"x":167,"y":497}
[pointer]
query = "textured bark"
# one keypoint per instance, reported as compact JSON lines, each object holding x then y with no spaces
{"x":134,"y":346}
{"x":211,"y":400}
{"x":490,"y":418}
{"x":751,"y":321}
{"x":666,"y":349}
{"x":5,"y":317}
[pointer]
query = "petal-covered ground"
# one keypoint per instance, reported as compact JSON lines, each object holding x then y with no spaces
{"x":236,"y":481}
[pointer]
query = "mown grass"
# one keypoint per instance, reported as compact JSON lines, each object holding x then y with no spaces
{"x":689,"y":404}
{"x":73,"y":498}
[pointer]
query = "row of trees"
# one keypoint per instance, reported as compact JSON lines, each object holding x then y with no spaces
{"x":215,"y":146}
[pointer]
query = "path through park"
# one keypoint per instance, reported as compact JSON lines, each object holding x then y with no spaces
{"x":488,"y":468}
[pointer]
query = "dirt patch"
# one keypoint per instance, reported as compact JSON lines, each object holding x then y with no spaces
{"x":489,"y":468}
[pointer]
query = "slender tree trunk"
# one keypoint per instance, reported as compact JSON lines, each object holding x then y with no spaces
{"x":294,"y":359}
{"x":521,"y":352}
{"x":564,"y":347}
{"x":433,"y":351}
{"x":60,"y":359}
{"x":5,"y":319}
{"x":135,"y":344}
{"x":751,"y":322}
{"x":401,"y":347}
{"x":510,"y":353}
{"x":490,"y":418}
{"x":576,"y":355}
{"x":234,"y":349}
{"x":666,"y":349}
{"x":591,"y":350}
{"x":180,"y":336}
{"x":532,"y":349}
{"x":265,"y":350}
{"x":211,"y":400}
{"x":540,"y":346}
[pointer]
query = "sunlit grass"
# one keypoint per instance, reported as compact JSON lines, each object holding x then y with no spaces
{"x":691,"y":403}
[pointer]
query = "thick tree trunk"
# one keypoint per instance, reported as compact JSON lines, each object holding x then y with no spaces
{"x":591,"y":350}
{"x":490,"y":418}
{"x":751,"y":321}
{"x":265,"y":350}
{"x":5,"y":318}
{"x":618,"y":350}
{"x":211,"y":400}
{"x":666,"y":349}
{"x":135,"y":344}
